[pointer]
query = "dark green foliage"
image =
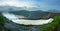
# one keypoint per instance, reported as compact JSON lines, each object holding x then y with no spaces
{"x":2,"y":22}
{"x":51,"y":26}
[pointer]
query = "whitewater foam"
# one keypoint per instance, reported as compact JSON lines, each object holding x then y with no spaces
{"x":15,"y":19}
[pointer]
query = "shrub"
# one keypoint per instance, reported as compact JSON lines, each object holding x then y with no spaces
{"x":51,"y":26}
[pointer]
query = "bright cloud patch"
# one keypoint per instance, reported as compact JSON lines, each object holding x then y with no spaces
{"x":16,"y":3}
{"x":41,"y":4}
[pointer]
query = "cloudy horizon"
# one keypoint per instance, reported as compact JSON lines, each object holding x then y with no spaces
{"x":41,"y":4}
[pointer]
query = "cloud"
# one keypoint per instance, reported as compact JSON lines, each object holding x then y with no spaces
{"x":41,"y":4}
{"x":16,"y":3}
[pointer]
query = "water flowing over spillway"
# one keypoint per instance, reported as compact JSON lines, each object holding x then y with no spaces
{"x":15,"y":19}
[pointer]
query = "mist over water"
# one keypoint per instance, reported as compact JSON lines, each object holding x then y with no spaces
{"x":14,"y":27}
{"x":15,"y":19}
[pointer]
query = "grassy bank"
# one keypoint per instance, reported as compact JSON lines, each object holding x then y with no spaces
{"x":51,"y":26}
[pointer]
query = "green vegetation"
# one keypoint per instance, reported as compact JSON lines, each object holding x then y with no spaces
{"x":47,"y":27}
{"x":51,"y":26}
{"x":2,"y":22}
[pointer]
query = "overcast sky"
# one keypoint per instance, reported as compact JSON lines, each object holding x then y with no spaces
{"x":41,"y":4}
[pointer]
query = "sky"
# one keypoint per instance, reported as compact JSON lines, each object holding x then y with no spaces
{"x":41,"y":4}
